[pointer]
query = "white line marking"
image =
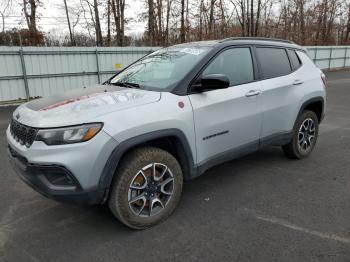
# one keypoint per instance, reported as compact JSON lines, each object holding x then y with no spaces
{"x":304,"y":230}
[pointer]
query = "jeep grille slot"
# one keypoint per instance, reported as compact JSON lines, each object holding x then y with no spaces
{"x":25,"y":135}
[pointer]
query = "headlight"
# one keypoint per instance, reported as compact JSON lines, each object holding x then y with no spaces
{"x":68,"y":135}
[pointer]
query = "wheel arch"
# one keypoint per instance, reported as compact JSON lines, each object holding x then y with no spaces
{"x":316,"y":105}
{"x":179,"y":146}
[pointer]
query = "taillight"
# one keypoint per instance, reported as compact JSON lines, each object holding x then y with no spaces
{"x":324,"y":79}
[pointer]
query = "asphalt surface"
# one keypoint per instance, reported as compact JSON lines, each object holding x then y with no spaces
{"x":262,"y":207}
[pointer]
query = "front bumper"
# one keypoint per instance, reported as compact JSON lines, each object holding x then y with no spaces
{"x":37,"y":177}
{"x":67,"y":173}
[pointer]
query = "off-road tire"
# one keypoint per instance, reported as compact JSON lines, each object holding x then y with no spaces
{"x":128,"y":167}
{"x":293,"y":150}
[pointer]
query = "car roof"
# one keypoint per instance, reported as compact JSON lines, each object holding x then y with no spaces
{"x":243,"y":41}
{"x":197,"y":44}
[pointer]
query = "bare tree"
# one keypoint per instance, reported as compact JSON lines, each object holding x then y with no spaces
{"x":248,"y":16}
{"x":94,"y":17}
{"x":257,"y":21}
{"x":72,"y":11}
{"x":68,"y":22}
{"x":99,"y":40}
{"x":108,"y":22}
{"x":182,"y":30}
{"x":30,"y":13}
{"x":173,"y":21}
{"x":201,"y":10}
{"x":239,"y":8}
{"x":5,"y":7}
{"x":223,"y":17}
{"x":251,"y":20}
{"x":302,"y":21}
{"x":160,"y":22}
{"x":118,"y":10}
{"x":151,"y":19}
{"x":76,"y":20}
{"x":116,"y":14}
{"x":122,"y":21}
{"x":168,"y":7}
{"x":347,"y":32}
{"x":211,"y":18}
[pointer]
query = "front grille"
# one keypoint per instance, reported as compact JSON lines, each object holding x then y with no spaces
{"x":25,"y":135}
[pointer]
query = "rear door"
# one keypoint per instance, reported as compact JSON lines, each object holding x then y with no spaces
{"x":282,"y":90}
{"x":227,"y":119}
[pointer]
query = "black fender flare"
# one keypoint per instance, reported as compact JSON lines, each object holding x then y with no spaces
{"x":113,"y":160}
{"x":310,"y":101}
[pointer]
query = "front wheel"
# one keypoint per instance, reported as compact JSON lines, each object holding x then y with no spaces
{"x":147,"y":187}
{"x":305,"y":135}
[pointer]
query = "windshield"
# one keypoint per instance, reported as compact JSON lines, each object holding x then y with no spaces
{"x":161,"y":70}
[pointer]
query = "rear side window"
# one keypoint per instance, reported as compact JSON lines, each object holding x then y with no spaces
{"x":235,"y":63}
{"x":294,"y":59}
{"x":274,"y":62}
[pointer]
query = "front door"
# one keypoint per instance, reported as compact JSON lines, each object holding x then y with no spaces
{"x":228,"y":119}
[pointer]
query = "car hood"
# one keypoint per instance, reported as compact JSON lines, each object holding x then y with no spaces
{"x":81,"y":105}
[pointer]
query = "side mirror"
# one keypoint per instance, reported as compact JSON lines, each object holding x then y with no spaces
{"x":213,"y":82}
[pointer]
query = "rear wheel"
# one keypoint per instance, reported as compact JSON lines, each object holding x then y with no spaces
{"x":147,"y":188}
{"x":305,"y":135}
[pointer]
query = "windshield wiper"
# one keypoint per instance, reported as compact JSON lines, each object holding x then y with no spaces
{"x":127,"y":84}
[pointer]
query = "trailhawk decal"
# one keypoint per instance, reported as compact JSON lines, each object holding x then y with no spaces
{"x":215,"y":135}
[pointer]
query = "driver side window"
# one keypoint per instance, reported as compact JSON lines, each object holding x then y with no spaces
{"x":235,"y":63}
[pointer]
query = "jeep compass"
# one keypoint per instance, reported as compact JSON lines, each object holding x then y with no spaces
{"x":166,"y":118}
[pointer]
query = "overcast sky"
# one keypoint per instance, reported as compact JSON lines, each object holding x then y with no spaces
{"x":53,"y":18}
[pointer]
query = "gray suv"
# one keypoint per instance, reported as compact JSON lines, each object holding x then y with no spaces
{"x":166,"y":118}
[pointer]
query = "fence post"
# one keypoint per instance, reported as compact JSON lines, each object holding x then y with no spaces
{"x":24,"y":71}
{"x":98,"y":67}
{"x":330,"y":58}
{"x":315,"y":56}
{"x":345,"y":56}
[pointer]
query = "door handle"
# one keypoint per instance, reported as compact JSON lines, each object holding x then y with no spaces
{"x":297,"y":82}
{"x":253,"y":93}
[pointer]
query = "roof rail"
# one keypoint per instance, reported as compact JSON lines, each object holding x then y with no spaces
{"x":258,"y":38}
